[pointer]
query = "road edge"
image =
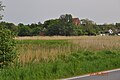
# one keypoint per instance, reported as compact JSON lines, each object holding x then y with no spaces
{"x":93,"y":74}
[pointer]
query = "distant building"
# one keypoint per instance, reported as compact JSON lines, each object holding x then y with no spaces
{"x":110,"y":31}
{"x":76,"y":21}
{"x":107,"y":32}
{"x":42,"y":33}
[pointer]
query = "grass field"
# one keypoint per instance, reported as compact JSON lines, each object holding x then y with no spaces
{"x":48,"y":58}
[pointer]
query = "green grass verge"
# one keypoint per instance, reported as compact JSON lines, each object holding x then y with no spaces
{"x":77,"y":63}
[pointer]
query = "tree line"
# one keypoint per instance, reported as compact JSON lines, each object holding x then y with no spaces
{"x":63,"y":26}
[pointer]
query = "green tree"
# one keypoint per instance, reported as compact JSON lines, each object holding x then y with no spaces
{"x":69,"y":29}
{"x":7,"y":47}
{"x":67,"y":18}
{"x":24,"y":30}
{"x":59,"y":27}
{"x":53,"y":27}
{"x":12,"y":27}
{"x":79,"y":30}
{"x":36,"y":31}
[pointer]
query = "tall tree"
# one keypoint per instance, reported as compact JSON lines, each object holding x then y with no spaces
{"x":23,"y":30}
{"x":67,"y":18}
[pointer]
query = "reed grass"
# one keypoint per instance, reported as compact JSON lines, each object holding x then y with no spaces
{"x":98,"y":43}
{"x":49,"y":59}
{"x":37,"y":50}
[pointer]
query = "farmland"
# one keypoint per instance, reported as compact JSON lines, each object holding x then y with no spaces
{"x":44,"y":58}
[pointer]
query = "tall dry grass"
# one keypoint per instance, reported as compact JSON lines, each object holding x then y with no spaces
{"x":48,"y":38}
{"x":37,"y":52}
{"x":97,"y":43}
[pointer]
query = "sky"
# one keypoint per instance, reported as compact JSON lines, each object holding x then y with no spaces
{"x":33,"y":11}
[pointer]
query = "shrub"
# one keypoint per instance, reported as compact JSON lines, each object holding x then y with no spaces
{"x":7,"y":47}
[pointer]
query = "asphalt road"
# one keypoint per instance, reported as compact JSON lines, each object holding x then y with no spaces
{"x":105,"y":75}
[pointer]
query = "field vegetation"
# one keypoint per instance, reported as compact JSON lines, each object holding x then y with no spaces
{"x":57,"y":58}
{"x":49,"y":58}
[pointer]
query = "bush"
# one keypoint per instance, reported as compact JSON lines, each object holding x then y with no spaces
{"x":7,"y":47}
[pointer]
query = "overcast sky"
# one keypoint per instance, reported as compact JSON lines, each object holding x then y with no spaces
{"x":33,"y":11}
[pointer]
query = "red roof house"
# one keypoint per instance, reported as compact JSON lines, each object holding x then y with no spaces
{"x":76,"y":21}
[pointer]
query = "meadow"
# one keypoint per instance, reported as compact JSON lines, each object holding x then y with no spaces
{"x":57,"y":57}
